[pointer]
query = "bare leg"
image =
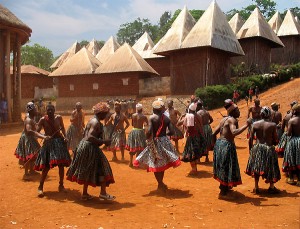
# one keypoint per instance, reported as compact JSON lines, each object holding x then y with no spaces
{"x":122,"y":153}
{"x":61,"y":178}
{"x":194,"y":168}
{"x":43,"y":178}
{"x":159,"y":178}
{"x":256,"y":180}
{"x":85,"y":189}
{"x":176,"y":145}
{"x":114,"y":155}
{"x":103,"y":188}
{"x":131,"y":159}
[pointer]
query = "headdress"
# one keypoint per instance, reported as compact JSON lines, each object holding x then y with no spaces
{"x":138,"y":106}
{"x":30,"y":106}
{"x":296,"y":107}
{"x":193,"y":106}
{"x":158,"y":104}
{"x":229,"y":105}
{"x":266,"y":112}
{"x":100,"y":107}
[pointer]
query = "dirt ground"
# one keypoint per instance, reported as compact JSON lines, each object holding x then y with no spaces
{"x":190,"y":202}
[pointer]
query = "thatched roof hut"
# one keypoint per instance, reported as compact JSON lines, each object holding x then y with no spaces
{"x":144,"y":45}
{"x":173,"y":39}
{"x":257,"y":39}
{"x":236,"y":23}
{"x":205,"y":52}
{"x":275,"y":22}
{"x":93,"y":47}
{"x":108,"y":49}
{"x":83,"y":62}
{"x":66,"y":55}
{"x":289,"y":34}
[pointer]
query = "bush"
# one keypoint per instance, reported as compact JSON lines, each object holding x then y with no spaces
{"x":215,"y":95}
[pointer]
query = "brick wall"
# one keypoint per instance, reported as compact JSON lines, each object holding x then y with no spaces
{"x":154,"y":86}
{"x":30,"y":81}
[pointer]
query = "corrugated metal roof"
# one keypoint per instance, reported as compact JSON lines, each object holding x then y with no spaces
{"x":93,"y":47}
{"x":173,"y":39}
{"x":289,"y":26}
{"x":125,"y":59}
{"x":236,"y":22}
{"x":257,"y":26}
{"x":213,"y":30}
{"x":275,"y":22}
{"x":83,"y":62}
{"x":108,"y":49}
{"x":66,"y":55}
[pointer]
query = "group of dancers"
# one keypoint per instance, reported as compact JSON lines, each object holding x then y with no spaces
{"x":150,"y":141}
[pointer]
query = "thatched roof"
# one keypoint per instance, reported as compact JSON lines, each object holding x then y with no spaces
{"x":289,"y":26}
{"x":275,"y":22}
{"x":108,"y":49}
{"x":83,"y":62}
{"x":236,"y":22}
{"x":125,"y":59}
{"x":8,"y":19}
{"x":177,"y":33}
{"x":30,"y":69}
{"x":257,"y":26}
{"x":66,"y":55}
{"x":213,"y":30}
{"x":93,"y":47}
{"x":144,"y":45}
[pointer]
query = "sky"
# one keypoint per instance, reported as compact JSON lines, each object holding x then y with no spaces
{"x":57,"y":24}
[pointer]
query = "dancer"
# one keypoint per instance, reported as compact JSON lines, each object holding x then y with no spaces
{"x":160,"y":154}
{"x":276,"y":117}
{"x":255,"y":113}
{"x":263,"y":160}
{"x":54,"y":151}
{"x":226,"y":166}
{"x":137,"y":139}
{"x":90,"y":166}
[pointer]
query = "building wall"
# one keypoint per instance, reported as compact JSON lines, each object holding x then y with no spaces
{"x":290,"y":54}
{"x":257,"y":53}
{"x":194,"y":68}
{"x":96,"y":85}
{"x":30,"y":81}
{"x":154,"y":86}
{"x":160,"y":65}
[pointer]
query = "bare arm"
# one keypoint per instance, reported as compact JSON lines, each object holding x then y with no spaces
{"x":210,"y":119}
{"x":233,"y":129}
{"x":30,"y":131}
{"x":62,"y":126}
{"x":289,"y":129}
{"x":127,"y":122}
{"x":150,"y":129}
{"x":215,"y":133}
{"x":251,"y":138}
{"x":249,"y":111}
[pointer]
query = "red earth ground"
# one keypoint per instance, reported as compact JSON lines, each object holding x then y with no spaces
{"x":191,"y":202}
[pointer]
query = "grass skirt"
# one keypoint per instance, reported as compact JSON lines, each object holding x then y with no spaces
{"x":90,"y":166}
{"x":291,"y":158}
{"x":136,"y":140}
{"x":164,"y":157}
{"x":27,"y":147}
{"x":53,"y":153}
{"x":74,"y":136}
{"x":118,"y":141}
{"x":263,"y":161}
{"x":226,"y":166}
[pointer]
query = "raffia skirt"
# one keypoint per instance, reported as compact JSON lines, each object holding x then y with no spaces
{"x":291,"y":158}
{"x":90,"y":166}
{"x":136,"y":140}
{"x":27,"y":148}
{"x":74,"y":136}
{"x":163,"y":158}
{"x":226,"y":168}
{"x":54,"y":152}
{"x":263,"y":161}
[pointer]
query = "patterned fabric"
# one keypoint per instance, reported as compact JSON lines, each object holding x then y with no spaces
{"x":159,"y":159}
{"x":226,"y":166}
{"x":291,"y":158}
{"x":208,"y":138}
{"x":281,"y":145}
{"x":90,"y":166}
{"x":136,"y":140}
{"x":279,"y":133}
{"x":194,"y":147}
{"x":27,"y":147}
{"x":263,"y":161}
{"x":54,"y":152}
{"x":107,"y":130}
{"x":74,"y":136}
{"x":177,"y":134}
{"x":118,"y":140}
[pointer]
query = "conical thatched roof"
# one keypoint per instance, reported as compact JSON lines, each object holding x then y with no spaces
{"x":177,"y":33}
{"x":257,"y":26}
{"x":213,"y":30}
{"x":289,"y":26}
{"x":236,"y":22}
{"x":66,"y":55}
{"x":275,"y":22}
{"x":83,"y":62}
{"x":108,"y":49}
{"x":93,"y":47}
{"x":144,"y":45}
{"x":7,"y":18}
{"x":30,"y":69}
{"x":125,"y":59}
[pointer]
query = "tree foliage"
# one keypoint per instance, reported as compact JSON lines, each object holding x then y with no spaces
{"x":37,"y":55}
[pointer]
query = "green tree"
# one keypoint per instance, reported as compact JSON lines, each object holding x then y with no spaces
{"x":37,"y":55}
{"x":132,"y":31}
{"x":83,"y":43}
{"x":164,"y":23}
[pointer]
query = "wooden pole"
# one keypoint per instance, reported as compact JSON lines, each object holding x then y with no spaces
{"x":7,"y":75}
